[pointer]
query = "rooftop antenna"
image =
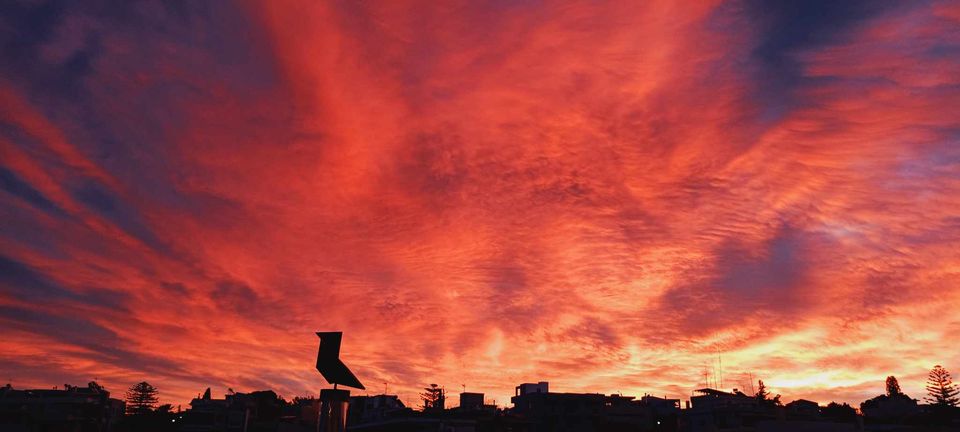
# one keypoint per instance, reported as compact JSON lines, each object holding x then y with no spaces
{"x":720,"y":361}
{"x":384,"y":388}
{"x":712,"y":374}
{"x":464,"y":387}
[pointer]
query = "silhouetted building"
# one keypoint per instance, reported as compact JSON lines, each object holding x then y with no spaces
{"x":471,"y":401}
{"x":264,"y":409}
{"x":207,"y":414}
{"x":369,"y":409}
{"x":588,"y":412}
{"x":74,"y":409}
{"x":236,"y":412}
{"x":716,"y":410}
{"x":386,"y":413}
{"x":527,"y":388}
{"x":804,"y":415}
{"x":663,"y":406}
{"x":304,"y":412}
{"x":666,"y":412}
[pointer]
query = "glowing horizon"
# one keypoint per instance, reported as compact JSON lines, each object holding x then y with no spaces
{"x":602,"y":195}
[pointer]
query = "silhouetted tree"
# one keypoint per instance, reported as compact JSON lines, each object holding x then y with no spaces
{"x":141,"y":398}
{"x":763,"y":396}
{"x":762,"y":392}
{"x":433,"y":398}
{"x":843,"y":413}
{"x":299,"y":400}
{"x":940,"y":387}
{"x":893,"y":387}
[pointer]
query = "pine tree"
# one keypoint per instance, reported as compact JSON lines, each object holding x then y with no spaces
{"x":940,"y":387}
{"x":433,"y":398}
{"x":141,"y":398}
{"x":893,"y":386}
{"x":762,"y":393}
{"x":763,"y":396}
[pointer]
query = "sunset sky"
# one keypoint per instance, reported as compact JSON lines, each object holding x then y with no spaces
{"x":598,"y":195}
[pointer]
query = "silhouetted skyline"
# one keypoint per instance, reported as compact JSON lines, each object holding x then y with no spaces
{"x":534,"y":407}
{"x":615,"y":197}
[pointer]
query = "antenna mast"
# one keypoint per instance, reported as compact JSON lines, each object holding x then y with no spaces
{"x":720,"y":361}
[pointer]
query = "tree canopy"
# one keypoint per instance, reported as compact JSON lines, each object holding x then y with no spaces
{"x":763,"y":396}
{"x":433,"y":397}
{"x":141,"y":398}
{"x":893,"y":386}
{"x":940,"y":388}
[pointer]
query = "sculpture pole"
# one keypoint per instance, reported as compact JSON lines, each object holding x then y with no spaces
{"x":333,"y":410}
{"x":332,"y":415}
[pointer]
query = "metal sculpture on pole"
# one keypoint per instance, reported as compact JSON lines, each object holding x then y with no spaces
{"x":334,"y":402}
